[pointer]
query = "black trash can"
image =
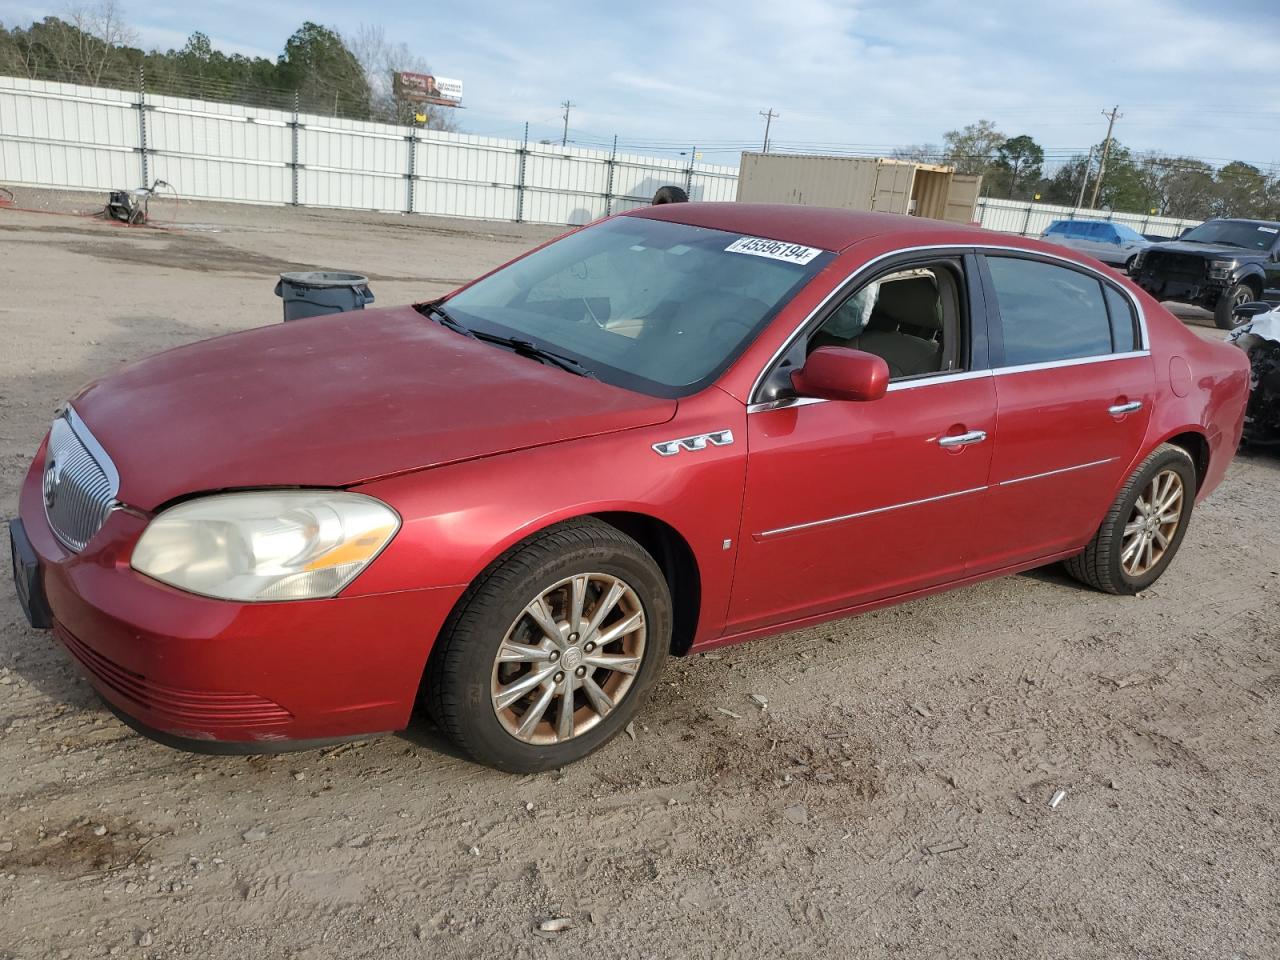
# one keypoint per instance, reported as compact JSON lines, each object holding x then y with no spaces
{"x":318,"y":292}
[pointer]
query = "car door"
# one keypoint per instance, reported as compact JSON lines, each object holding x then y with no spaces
{"x":1074,"y":385}
{"x":850,"y":502}
{"x":1272,"y":268}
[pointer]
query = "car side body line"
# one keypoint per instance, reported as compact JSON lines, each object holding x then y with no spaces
{"x":1054,"y":473}
{"x":864,"y":513}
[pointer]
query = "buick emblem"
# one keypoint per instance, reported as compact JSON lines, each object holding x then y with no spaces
{"x":52,"y":477}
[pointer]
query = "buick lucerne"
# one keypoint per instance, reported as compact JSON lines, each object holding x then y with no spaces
{"x":685,"y":426}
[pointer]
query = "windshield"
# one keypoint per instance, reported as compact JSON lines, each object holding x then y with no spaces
{"x":653,"y":306}
{"x":1234,"y":233}
{"x":1128,"y":235}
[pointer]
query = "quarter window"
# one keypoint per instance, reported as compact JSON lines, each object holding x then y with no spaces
{"x":1124,"y":325}
{"x":1048,"y":312}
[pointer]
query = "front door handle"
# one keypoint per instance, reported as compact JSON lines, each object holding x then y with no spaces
{"x":1120,"y":409}
{"x":962,"y":439}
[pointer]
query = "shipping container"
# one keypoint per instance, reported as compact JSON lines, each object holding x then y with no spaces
{"x":859,"y":183}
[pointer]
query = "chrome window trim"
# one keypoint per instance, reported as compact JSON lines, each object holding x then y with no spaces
{"x":894,"y":387}
{"x":1073,"y":362}
{"x":754,"y":406}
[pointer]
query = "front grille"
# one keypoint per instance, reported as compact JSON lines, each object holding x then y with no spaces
{"x":1183,"y":267}
{"x":80,"y":482}
{"x":175,"y":706}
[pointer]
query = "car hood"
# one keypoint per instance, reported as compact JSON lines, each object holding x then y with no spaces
{"x":1209,"y":250}
{"x":334,"y":401}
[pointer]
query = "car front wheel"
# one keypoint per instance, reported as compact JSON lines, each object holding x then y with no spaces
{"x":552,"y":650}
{"x":1224,"y":312}
{"x":1144,"y":527}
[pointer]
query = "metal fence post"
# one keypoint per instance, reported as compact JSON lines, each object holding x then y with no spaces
{"x":413,"y":166}
{"x":608,"y":189}
{"x":293,"y":162}
{"x":142,"y":126}
{"x":523,"y":153}
{"x":1026,"y":223}
{"x":688,"y":174}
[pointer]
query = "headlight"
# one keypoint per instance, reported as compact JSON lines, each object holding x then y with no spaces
{"x":1221,"y":268}
{"x":1137,"y":260}
{"x":285,"y":545}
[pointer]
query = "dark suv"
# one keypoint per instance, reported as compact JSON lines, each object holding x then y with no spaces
{"x":1217,"y":265}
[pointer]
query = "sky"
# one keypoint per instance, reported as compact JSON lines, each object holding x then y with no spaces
{"x":1193,"y":78}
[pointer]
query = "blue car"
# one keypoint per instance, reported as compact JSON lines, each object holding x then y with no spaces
{"x":1112,"y":243}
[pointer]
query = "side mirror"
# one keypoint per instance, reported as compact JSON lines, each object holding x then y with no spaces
{"x":840,"y":373}
{"x":1255,"y":308}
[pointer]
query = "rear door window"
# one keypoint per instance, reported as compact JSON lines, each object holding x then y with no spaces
{"x":1048,"y":312}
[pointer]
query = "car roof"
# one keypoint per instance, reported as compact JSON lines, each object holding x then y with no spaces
{"x":1265,"y":223}
{"x":821,"y":227}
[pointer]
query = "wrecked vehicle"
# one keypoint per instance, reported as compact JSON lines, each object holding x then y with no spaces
{"x":1259,"y":336}
{"x":1219,"y":265}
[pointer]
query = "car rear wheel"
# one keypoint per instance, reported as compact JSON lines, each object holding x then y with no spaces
{"x":552,"y":650}
{"x":1144,"y":527}
{"x":1224,"y":312}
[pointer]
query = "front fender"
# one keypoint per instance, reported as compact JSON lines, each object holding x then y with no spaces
{"x":457,"y":519}
{"x":1253,"y":273}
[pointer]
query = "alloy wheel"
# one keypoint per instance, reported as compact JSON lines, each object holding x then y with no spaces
{"x":1152,"y":523}
{"x":568,"y":658}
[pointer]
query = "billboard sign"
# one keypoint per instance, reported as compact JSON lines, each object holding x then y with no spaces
{"x":425,"y":88}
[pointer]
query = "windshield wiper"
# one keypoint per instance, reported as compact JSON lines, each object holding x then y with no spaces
{"x":527,"y":348}
{"x":446,"y":319}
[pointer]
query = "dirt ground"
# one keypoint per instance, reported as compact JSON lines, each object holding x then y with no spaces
{"x":893,"y":800}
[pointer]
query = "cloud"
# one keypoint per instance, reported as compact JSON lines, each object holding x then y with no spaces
{"x":875,"y":73}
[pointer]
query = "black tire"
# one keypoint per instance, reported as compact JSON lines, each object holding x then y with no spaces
{"x":1099,"y":565}
{"x":457,"y":685}
{"x":670,"y":195}
{"x":1224,"y":311}
{"x":1128,"y":266}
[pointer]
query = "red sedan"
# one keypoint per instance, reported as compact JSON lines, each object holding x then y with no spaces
{"x":686,"y":426}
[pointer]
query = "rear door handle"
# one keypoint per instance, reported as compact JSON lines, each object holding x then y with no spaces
{"x":963,"y":439}
{"x":1122,"y":408}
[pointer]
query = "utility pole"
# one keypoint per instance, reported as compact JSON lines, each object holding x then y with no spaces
{"x":769,"y":117}
{"x":568,"y":105}
{"x":1084,"y":180}
{"x":1112,"y":117}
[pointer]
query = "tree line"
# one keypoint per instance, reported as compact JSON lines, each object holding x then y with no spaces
{"x":326,"y":72}
{"x":1165,"y":184}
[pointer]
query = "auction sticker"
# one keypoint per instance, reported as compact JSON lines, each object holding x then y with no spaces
{"x":773,"y":249}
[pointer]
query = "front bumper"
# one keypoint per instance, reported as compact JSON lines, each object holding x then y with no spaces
{"x":230,"y":677}
{"x":1203,"y":293}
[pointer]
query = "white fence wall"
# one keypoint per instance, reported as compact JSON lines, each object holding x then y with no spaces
{"x":95,"y":138}
{"x":1032,"y":219}
{"x":64,"y":135}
